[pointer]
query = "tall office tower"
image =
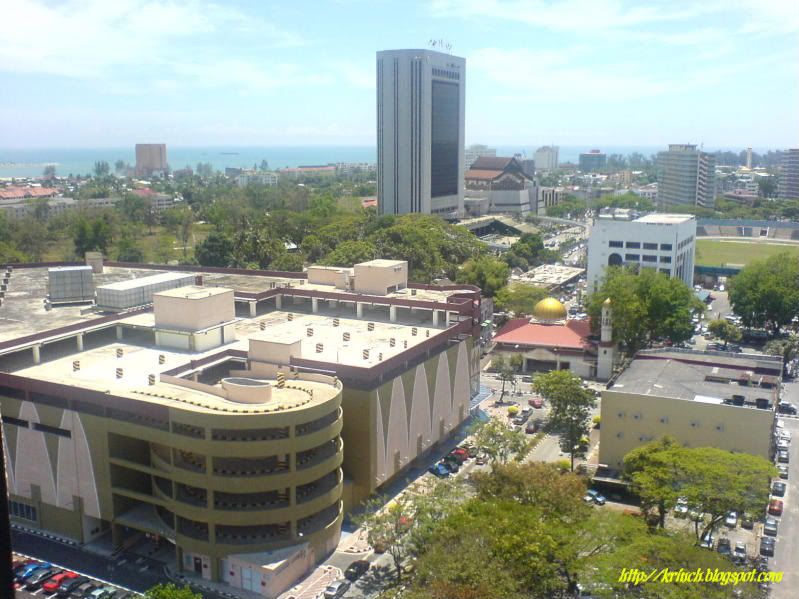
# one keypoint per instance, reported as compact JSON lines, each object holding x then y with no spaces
{"x":789,"y":178}
{"x":420,"y":132}
{"x":151,"y":160}
{"x":686,"y":176}
{"x":474,"y":152}
{"x":546,"y":158}
{"x":593,"y":161}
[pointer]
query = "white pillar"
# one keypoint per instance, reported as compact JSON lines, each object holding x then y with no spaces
{"x":446,"y":318}
{"x":253,"y":309}
{"x":37,"y":355}
{"x":435,"y":318}
{"x":119,"y":332}
{"x":79,"y":339}
{"x":278,"y":301}
{"x":392,"y":313}
{"x":359,"y":309}
{"x":314,"y":305}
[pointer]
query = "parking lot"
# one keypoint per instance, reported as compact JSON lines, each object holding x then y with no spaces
{"x":42,"y":580}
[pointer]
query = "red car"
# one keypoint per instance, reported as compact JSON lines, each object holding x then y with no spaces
{"x":459,"y":454}
{"x":775,"y":507}
{"x":52,"y":585}
{"x":536,"y":402}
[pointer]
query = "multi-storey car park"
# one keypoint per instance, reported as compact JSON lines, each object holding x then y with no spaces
{"x":238,"y":417}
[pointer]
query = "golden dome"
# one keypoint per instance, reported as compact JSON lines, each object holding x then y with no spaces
{"x":549,"y":309}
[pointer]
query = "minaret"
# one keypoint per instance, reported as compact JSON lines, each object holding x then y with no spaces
{"x":605,"y":353}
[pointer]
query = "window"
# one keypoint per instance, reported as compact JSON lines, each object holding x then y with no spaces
{"x":54,"y":430}
{"x":665,"y":247}
{"x":634,"y":245}
{"x":650,"y":258}
{"x":616,"y":244}
{"x":445,"y":129}
{"x":15,"y":421}
{"x":632,"y":257}
{"x":665,"y":259}
{"x":22,"y":510}
{"x":650,"y":246}
{"x":666,"y":271}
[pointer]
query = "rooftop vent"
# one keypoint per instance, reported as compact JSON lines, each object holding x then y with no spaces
{"x":365,"y":354}
{"x":119,"y":373}
{"x":370,"y":326}
{"x":75,"y":365}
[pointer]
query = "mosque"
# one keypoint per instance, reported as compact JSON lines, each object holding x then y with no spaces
{"x":550,"y":340}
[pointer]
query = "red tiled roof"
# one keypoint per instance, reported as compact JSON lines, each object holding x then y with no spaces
{"x":19,"y":193}
{"x":485,"y":175}
{"x":491,"y":163}
{"x":573,"y":334}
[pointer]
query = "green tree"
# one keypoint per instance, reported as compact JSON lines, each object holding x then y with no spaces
{"x":101,"y":168}
{"x":725,"y":330}
{"x":488,"y":273}
{"x":500,"y":442}
{"x":627,"y":200}
{"x":164,"y":249}
{"x":30,"y":238}
{"x":767,"y":187}
{"x":288,"y":262}
{"x":766,"y":293}
{"x":570,"y":407}
{"x":180,"y":221}
{"x":351,"y":252}
{"x":646,"y":306}
{"x":714,"y":481}
{"x":787,"y":348}
{"x":519,"y":298}
{"x":215,"y":250}
{"x":171,"y":591}
{"x":120,"y":166}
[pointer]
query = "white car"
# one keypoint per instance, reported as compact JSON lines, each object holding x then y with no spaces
{"x":782,"y":444}
{"x":786,"y":435}
{"x":780,"y":423}
{"x":731,"y":520}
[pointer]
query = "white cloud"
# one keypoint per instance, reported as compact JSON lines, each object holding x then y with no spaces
{"x":94,"y":38}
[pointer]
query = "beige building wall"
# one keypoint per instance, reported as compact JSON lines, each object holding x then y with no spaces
{"x":630,"y":420}
{"x":193,"y":308}
{"x":378,"y":277}
{"x":329,"y":275}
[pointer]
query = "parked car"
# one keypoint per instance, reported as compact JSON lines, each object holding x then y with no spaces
{"x":770,"y":527}
{"x":707,"y":541}
{"x":103,"y":592}
{"x":731,"y":520}
{"x":747,"y":522}
{"x":30,"y":569}
{"x":451,"y":464}
{"x":782,"y":456}
{"x":786,"y":408}
{"x":356,"y":569}
{"x":761,"y":565}
{"x":52,"y":585}
{"x":527,"y":379}
{"x":681,"y":508}
{"x":783,"y":470}
{"x":778,"y":488}
{"x":782,"y":444}
{"x":458,"y":454}
{"x":67,"y":586}
{"x":536,"y":402}
{"x":767,"y":546}
{"x":739,"y":553}
{"x":336,"y":589}
{"x":439,"y":470}
{"x":83,"y":590}
{"x":775,"y":507}
{"x":38,"y":578}
{"x":724,"y":547}
{"x":596,"y":496}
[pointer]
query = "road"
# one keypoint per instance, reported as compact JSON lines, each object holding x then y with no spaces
{"x":786,"y":556}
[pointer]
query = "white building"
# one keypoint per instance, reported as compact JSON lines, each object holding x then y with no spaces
{"x":257,"y":178}
{"x":686,"y":176}
{"x":548,"y":197}
{"x":546,"y":158}
{"x":474,"y":152}
{"x":420,"y":132}
{"x":661,"y":241}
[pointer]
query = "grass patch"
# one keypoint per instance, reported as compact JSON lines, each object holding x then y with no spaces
{"x":712,"y":252}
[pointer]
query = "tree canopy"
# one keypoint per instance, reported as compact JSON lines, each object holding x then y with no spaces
{"x":646,"y":306}
{"x":724,"y":330}
{"x":171,"y":591}
{"x":519,"y":298}
{"x":765,"y":294}
{"x":488,"y":273}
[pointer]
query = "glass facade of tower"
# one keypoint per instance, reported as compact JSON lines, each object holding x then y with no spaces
{"x":444,"y":139}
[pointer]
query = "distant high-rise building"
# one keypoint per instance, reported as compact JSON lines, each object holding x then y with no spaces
{"x":592,"y":161}
{"x":420,"y":132}
{"x":546,"y":158}
{"x":789,"y":178}
{"x":474,"y":152}
{"x":748,"y":157}
{"x":151,"y":160}
{"x":686,"y":176}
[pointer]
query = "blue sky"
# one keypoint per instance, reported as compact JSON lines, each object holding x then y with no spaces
{"x":87,"y":73}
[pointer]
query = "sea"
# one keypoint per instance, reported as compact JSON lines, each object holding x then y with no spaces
{"x":31,"y":162}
